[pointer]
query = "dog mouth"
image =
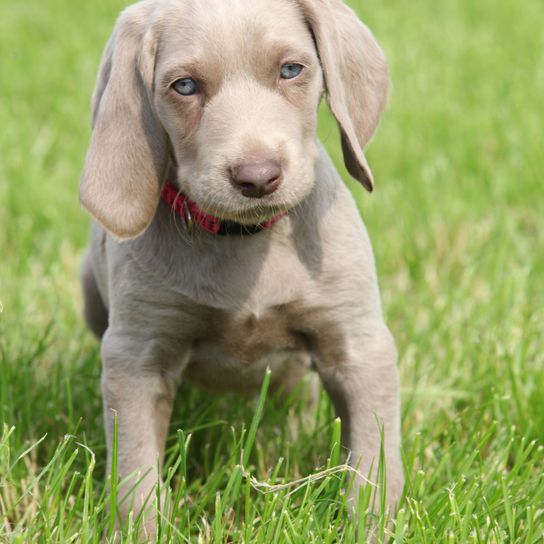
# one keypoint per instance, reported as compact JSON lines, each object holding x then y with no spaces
{"x":251,"y":215}
{"x":229,"y":204}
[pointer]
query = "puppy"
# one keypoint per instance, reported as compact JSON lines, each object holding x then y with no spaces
{"x":224,"y":241}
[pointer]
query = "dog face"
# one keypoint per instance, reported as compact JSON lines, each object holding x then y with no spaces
{"x":227,"y":92}
{"x":237,"y":92}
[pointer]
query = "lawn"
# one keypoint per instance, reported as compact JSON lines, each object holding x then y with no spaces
{"x":457,"y":222}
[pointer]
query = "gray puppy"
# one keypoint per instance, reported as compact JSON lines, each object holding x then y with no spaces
{"x":256,"y":256}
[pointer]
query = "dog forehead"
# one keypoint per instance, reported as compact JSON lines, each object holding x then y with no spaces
{"x":227,"y":27}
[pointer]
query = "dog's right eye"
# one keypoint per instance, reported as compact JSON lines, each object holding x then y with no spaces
{"x":185,"y":86}
{"x":290,"y":70}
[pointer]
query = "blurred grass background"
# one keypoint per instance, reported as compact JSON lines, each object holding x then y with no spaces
{"x":457,"y":222}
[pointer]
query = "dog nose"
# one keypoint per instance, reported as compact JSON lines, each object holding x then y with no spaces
{"x":257,"y":179}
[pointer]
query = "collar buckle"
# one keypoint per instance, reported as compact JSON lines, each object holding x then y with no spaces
{"x":188,"y":218}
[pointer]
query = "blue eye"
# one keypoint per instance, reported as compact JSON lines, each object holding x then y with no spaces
{"x":290,"y":70}
{"x":185,"y":86}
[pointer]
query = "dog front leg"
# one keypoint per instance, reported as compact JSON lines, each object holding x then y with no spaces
{"x":139,"y":394}
{"x":364,"y":388}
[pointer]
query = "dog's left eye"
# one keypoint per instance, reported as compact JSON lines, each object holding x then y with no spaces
{"x":185,"y":86}
{"x":290,"y":70}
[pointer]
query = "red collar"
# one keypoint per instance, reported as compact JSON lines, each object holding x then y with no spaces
{"x":191,"y":214}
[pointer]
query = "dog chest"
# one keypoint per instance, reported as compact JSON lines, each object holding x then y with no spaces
{"x":235,"y":349}
{"x":248,"y":338}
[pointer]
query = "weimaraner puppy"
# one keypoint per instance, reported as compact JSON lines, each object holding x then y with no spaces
{"x":224,"y":241}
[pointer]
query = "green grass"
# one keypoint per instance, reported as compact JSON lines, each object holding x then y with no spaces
{"x":457,"y":222}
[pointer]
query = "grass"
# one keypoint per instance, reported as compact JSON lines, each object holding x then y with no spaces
{"x":457,"y":223}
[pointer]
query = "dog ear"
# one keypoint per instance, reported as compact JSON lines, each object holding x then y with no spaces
{"x":356,"y":78}
{"x":128,"y":153}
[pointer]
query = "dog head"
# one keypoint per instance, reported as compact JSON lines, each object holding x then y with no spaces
{"x":226,"y":93}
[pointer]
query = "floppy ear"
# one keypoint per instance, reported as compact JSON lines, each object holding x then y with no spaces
{"x":128,"y":153}
{"x":356,"y":78}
